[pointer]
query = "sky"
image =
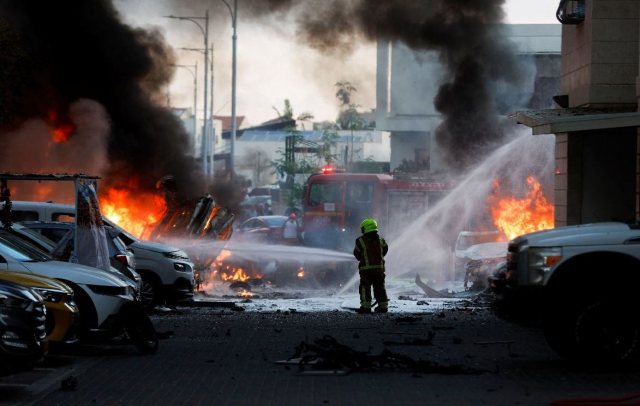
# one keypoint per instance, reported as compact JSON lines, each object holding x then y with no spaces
{"x":272,"y":65}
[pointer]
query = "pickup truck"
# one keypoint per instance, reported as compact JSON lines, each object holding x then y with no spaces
{"x":581,"y":283}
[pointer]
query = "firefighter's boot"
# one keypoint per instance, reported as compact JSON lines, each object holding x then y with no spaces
{"x":383,"y":307}
{"x":364,"y":310}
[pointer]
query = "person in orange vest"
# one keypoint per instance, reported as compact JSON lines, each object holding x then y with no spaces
{"x":370,"y":250}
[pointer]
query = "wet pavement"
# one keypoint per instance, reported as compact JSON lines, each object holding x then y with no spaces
{"x":227,"y":355}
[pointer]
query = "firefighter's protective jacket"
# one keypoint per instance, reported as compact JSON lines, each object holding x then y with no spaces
{"x":370,"y":250}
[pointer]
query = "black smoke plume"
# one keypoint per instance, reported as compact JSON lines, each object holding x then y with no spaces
{"x":464,"y":32}
{"x":80,"y":50}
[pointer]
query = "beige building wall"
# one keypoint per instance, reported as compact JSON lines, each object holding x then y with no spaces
{"x":600,"y":56}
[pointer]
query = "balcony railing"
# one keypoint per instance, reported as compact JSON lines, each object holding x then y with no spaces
{"x":570,"y":11}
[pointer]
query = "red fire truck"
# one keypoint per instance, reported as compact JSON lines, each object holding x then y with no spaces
{"x":334,"y":204}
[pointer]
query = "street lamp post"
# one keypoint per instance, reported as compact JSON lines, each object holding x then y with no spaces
{"x":205,"y":33}
{"x":195,"y":94}
{"x":234,"y":19}
{"x":210,"y":145}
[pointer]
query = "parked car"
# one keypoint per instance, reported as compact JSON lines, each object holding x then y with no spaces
{"x":581,"y":283}
{"x":23,"y":337}
{"x":167,"y":272}
{"x":262,"y":229}
{"x":108,"y":302}
{"x":62,"y":318}
{"x":120,"y":257}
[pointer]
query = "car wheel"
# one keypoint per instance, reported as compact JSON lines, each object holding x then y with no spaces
{"x":151,"y":292}
{"x":599,"y":331}
{"x":140,"y":330}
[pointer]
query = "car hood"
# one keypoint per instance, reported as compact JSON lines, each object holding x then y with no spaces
{"x":34,"y":281}
{"x":153,"y":246}
{"x":75,"y":273}
{"x":585,"y":234}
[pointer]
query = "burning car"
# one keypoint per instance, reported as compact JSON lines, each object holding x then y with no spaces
{"x":481,"y":261}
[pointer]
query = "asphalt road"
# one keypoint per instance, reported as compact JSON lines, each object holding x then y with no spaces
{"x":215,"y":355}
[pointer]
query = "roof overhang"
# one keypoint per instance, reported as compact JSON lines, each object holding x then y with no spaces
{"x":555,"y":121}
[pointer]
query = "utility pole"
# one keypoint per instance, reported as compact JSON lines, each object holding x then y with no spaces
{"x":234,"y":19}
{"x":205,"y":33}
{"x":212,"y":121}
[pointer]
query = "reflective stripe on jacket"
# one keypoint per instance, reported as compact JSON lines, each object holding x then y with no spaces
{"x":370,"y":250}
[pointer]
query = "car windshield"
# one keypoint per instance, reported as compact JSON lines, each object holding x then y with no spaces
{"x":20,"y":250}
{"x":275,"y":221}
{"x":35,"y":236}
{"x":126,"y":237}
{"x":325,"y":193}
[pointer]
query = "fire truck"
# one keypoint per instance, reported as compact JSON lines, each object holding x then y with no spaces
{"x":334,"y":204}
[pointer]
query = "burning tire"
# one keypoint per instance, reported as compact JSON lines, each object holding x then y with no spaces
{"x":140,"y":330}
{"x":599,"y":330}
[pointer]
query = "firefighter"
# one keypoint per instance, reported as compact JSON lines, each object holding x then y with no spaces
{"x":370,"y":250}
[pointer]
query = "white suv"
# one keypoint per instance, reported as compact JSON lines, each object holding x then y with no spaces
{"x":167,"y":272}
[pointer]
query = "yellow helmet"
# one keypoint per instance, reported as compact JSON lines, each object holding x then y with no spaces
{"x":368,"y":225}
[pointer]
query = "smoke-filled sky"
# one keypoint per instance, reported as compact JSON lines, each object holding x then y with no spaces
{"x":91,"y":57}
{"x":270,"y":49}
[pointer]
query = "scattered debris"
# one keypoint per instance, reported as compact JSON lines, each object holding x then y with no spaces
{"x":333,"y":358}
{"x":414,"y":341}
{"x":402,"y":297}
{"x":422,"y":303}
{"x":69,"y":383}
{"x":442,"y":328}
{"x":430,"y":292}
{"x":441,"y":315}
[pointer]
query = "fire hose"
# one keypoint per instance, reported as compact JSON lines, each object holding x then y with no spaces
{"x":620,"y":401}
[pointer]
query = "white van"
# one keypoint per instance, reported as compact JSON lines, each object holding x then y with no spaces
{"x":167,"y":272}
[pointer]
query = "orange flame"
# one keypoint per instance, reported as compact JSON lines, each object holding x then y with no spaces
{"x":516,"y":217}
{"x":59,"y":130}
{"x":132,"y":211}
{"x":235,"y":275}
{"x":245,"y":293}
{"x":301,"y":273}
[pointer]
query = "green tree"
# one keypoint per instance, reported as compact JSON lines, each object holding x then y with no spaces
{"x":287,"y":113}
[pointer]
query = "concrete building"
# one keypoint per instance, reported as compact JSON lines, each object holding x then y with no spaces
{"x":408,"y":81}
{"x":597,"y":175}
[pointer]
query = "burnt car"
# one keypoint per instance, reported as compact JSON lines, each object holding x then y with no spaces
{"x":23,"y":334}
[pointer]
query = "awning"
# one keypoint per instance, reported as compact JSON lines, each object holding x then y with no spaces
{"x":555,"y":121}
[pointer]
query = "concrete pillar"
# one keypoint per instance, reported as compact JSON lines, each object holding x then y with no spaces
{"x":568,"y":180}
